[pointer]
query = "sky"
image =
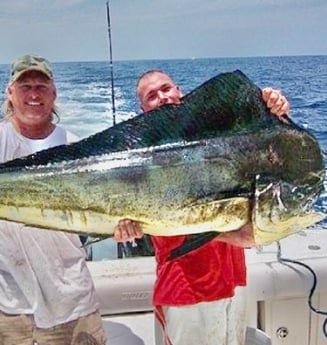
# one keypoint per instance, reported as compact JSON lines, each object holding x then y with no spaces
{"x":77,"y":30}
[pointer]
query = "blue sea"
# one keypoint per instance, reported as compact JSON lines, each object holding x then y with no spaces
{"x":85,"y":97}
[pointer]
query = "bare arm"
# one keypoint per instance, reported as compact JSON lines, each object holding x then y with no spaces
{"x":279,"y":106}
{"x":243,"y":237}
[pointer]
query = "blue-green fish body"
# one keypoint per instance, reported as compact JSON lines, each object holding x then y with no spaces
{"x":213,"y":163}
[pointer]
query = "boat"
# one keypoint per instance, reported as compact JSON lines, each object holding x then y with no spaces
{"x":286,"y":294}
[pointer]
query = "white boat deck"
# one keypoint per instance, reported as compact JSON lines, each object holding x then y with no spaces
{"x":277,"y":293}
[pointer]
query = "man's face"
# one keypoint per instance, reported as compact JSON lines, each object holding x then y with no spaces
{"x":32,"y":97}
{"x":156,"y":89}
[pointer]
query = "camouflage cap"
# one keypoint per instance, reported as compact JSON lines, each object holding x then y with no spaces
{"x":30,"y":63}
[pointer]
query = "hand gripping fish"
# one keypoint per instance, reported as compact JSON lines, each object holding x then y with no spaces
{"x":213,"y":163}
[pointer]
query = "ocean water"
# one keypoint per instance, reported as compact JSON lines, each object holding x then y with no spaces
{"x":85,"y":98}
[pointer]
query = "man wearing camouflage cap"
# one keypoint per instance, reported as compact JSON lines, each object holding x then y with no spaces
{"x":46,"y":291}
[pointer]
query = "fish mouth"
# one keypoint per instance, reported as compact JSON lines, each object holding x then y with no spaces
{"x":266,"y":231}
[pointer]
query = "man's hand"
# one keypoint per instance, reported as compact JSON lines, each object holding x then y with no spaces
{"x":276,"y":102}
{"x":127,"y":230}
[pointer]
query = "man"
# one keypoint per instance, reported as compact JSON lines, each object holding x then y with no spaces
{"x":46,"y":292}
{"x":197,"y":297}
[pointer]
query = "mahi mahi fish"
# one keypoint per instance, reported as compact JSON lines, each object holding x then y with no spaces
{"x":214,"y":162}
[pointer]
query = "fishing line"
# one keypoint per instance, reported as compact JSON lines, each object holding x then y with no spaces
{"x":192,"y":242}
{"x":111,"y":65}
{"x":313,"y":288}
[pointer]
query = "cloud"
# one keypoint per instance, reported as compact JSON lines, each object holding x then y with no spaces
{"x":75,"y":30}
{"x":22,"y":7}
{"x":59,"y":30}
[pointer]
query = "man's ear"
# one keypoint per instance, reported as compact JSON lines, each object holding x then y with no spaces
{"x":8,"y":91}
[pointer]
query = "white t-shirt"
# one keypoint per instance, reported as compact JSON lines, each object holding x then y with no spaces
{"x":42,"y":272}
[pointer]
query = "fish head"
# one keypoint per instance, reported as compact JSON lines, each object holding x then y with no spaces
{"x":281,"y":208}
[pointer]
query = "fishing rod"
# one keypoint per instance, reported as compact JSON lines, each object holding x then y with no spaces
{"x":111,"y":66}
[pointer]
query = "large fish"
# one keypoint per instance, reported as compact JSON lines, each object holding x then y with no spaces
{"x":213,"y":163}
